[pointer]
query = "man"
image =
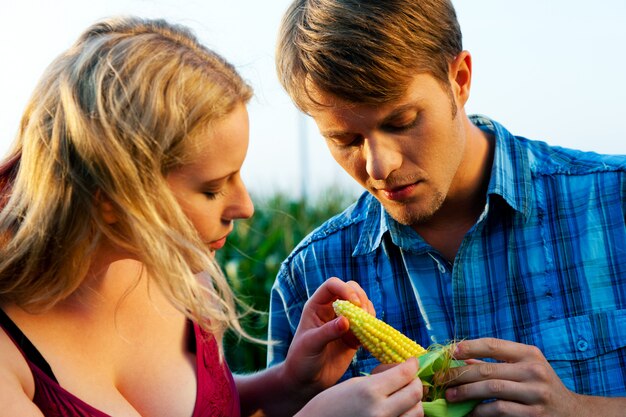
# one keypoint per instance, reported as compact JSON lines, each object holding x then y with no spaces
{"x":466,"y":232}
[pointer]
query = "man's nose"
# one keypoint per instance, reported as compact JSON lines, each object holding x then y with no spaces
{"x":381,"y":156}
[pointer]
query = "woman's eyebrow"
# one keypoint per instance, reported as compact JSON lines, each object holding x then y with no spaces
{"x":213,"y":181}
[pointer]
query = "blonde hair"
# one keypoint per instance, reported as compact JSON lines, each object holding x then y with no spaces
{"x":364,"y":51}
{"x":110,"y":118}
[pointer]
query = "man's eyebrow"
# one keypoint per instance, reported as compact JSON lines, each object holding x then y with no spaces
{"x":332,"y":134}
{"x":398,"y":111}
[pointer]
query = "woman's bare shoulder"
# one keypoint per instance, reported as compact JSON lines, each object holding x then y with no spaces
{"x":17,"y":386}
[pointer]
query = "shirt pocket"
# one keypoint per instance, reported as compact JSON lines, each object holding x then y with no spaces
{"x":584,"y":350}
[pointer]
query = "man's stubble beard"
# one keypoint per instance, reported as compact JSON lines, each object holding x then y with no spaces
{"x":403,"y":215}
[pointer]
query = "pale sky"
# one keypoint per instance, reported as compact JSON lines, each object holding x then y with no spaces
{"x":549,"y":70}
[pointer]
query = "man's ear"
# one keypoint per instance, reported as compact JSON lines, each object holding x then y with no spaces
{"x":106,"y":208}
{"x":461,"y":77}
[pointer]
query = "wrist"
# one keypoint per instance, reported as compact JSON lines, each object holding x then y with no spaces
{"x":272,"y":392}
{"x":294,"y":387}
{"x":590,"y":406}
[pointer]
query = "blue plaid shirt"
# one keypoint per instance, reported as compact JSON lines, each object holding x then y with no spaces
{"x":545,"y":265}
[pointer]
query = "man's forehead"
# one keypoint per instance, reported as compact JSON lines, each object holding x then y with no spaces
{"x":416,"y":90}
{"x":332,"y":110}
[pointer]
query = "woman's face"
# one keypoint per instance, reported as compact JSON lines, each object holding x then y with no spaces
{"x":209,"y":188}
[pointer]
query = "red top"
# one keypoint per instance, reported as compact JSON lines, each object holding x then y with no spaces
{"x":216,"y":392}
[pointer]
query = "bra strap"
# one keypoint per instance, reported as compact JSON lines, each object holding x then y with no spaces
{"x":29,"y":351}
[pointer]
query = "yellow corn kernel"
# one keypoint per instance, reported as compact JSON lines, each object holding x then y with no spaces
{"x":385,"y":343}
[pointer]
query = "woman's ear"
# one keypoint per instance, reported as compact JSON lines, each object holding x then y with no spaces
{"x":106,"y":208}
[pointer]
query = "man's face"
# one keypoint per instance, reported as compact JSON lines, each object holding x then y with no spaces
{"x":406,"y":152}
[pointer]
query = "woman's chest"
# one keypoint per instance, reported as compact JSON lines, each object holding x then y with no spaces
{"x":139,"y":368}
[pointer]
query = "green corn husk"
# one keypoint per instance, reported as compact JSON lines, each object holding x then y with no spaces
{"x":442,"y":408}
{"x":438,"y":359}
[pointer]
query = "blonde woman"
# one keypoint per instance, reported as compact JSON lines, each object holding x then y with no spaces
{"x":123,"y":181}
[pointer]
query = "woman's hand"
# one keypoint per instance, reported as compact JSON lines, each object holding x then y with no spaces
{"x":323,"y":347}
{"x":391,"y":393}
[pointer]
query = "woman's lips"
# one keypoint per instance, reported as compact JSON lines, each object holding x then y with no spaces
{"x":399,"y":193}
{"x":218,"y":244}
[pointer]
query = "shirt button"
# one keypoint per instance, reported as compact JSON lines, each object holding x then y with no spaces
{"x":582,"y":345}
{"x":442,"y":268}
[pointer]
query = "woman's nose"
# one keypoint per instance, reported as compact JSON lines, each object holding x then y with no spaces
{"x":241,"y":206}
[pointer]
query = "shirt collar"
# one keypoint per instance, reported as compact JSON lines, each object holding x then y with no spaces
{"x":511,"y":176}
{"x":511,"y":179}
{"x":373,"y":228}
{"x":377,"y":223}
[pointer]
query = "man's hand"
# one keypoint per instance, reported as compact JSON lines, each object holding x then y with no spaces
{"x":522,"y":383}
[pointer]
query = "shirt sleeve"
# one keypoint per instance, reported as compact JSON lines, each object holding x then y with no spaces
{"x":284,"y":315}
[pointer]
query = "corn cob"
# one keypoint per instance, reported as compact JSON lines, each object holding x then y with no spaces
{"x":388,"y":345}
{"x":384,"y":342}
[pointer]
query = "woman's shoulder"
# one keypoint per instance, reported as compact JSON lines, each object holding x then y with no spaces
{"x":17,"y":386}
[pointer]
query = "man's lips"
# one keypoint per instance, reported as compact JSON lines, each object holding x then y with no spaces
{"x":399,"y":193}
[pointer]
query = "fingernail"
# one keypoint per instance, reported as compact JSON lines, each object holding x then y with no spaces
{"x":456,"y":351}
{"x":451,"y":393}
{"x":341,"y":325}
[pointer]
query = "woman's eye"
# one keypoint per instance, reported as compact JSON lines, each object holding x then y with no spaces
{"x":212,"y":195}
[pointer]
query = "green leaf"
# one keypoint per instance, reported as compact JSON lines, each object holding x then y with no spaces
{"x":430,"y":362}
{"x":442,"y":408}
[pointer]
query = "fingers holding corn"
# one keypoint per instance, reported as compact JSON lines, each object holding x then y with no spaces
{"x":520,"y":381}
{"x":388,"y":345}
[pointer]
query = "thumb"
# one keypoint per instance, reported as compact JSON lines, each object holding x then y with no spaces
{"x":319,"y":337}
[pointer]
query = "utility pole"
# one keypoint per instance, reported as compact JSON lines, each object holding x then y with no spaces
{"x":304,"y":155}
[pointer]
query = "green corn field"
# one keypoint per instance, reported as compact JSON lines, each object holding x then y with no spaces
{"x":253,"y":254}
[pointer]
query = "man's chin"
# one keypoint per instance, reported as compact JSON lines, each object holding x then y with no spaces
{"x":412,"y":214}
{"x":408,"y":217}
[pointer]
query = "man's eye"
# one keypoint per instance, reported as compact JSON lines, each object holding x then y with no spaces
{"x":402,"y":127}
{"x":348,"y":141}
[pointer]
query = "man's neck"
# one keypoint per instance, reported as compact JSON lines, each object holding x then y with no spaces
{"x":466,"y":198}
